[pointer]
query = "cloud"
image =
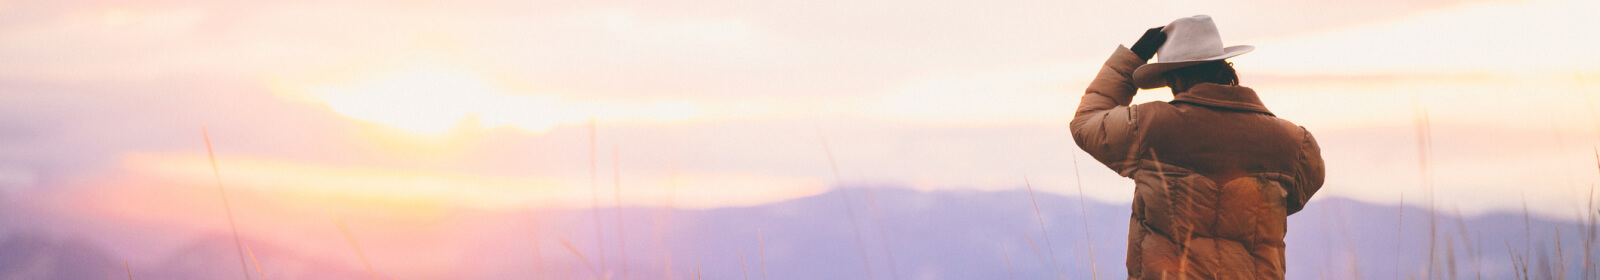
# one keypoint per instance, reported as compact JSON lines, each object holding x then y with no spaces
{"x":1506,"y":38}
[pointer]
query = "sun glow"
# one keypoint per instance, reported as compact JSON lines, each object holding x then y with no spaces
{"x":437,"y":100}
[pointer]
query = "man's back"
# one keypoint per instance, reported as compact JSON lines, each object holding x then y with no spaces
{"x":1215,"y":173}
{"x":1220,"y":176}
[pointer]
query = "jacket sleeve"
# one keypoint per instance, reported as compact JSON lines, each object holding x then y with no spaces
{"x":1104,"y":125}
{"x":1312,"y":171}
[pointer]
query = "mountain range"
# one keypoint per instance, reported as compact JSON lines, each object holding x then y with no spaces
{"x":881,"y":233}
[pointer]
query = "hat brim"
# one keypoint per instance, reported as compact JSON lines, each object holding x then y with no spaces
{"x":1148,"y":76}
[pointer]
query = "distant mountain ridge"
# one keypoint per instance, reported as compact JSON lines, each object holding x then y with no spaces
{"x":904,"y":234}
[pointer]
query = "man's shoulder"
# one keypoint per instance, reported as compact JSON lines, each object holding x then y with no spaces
{"x":1152,"y":107}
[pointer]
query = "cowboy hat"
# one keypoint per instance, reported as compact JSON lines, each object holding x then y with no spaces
{"x":1191,"y":40}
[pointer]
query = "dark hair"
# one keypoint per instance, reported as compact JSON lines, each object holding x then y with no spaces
{"x":1216,"y":72}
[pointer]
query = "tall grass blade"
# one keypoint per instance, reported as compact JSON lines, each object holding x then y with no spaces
{"x":226,"y":207}
{"x":1094,"y":269}
{"x":258,"y":263}
{"x":1561,"y":257}
{"x":357,"y":247}
{"x":1424,"y":150}
{"x":1472,"y":253}
{"x":1036,"y":252}
{"x":742,"y":267}
{"x":581,"y":258}
{"x":844,"y":197}
{"x":761,"y":244}
{"x":1046,"y":233}
{"x":883,"y":241}
{"x":1399,"y":232}
{"x":616,"y":182}
{"x":1007,"y":255}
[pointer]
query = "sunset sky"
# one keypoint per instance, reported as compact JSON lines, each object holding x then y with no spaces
{"x":403,"y":109}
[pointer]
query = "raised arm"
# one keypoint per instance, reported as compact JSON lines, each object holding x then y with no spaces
{"x":1104,"y":124}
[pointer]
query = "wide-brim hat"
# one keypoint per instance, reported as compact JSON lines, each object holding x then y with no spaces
{"x":1191,"y":40}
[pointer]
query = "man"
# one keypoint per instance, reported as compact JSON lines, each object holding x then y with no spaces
{"x":1215,"y":173}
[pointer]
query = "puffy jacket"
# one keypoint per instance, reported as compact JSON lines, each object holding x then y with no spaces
{"x":1215,"y":174}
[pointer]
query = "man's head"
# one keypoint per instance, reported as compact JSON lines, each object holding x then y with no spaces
{"x":1190,"y":42}
{"x":1216,"y":72}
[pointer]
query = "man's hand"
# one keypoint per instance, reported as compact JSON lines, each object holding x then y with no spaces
{"x":1148,"y":44}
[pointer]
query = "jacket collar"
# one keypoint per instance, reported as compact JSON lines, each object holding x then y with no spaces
{"x":1224,"y":96}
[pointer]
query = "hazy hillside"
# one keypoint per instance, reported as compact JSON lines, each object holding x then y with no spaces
{"x":904,"y":234}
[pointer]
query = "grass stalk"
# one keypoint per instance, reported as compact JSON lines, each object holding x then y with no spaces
{"x":1094,"y":269}
{"x":1516,"y":263}
{"x":1450,"y":257}
{"x":1561,"y":257}
{"x":883,"y":241}
{"x":742,"y":267}
{"x":1589,"y":226}
{"x":127,"y":268}
{"x":226,"y":207}
{"x":1527,"y":231}
{"x":1036,"y":252}
{"x":616,"y":180}
{"x":357,"y":247}
{"x":1472,"y":253}
{"x":257,"y":263}
{"x":844,"y":197}
{"x":1399,"y":232}
{"x":581,"y":258}
{"x":1006,"y":254}
{"x":761,"y":244}
{"x":1046,"y":233}
{"x":1424,"y":150}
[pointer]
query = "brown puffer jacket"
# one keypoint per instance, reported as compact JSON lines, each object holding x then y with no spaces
{"x":1215,"y":174}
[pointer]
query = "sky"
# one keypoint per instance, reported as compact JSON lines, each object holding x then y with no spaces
{"x":403,"y":110}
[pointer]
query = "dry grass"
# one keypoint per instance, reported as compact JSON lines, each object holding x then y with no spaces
{"x":1399,"y":232}
{"x":1036,"y":252}
{"x":1094,"y":269}
{"x":616,"y":180}
{"x":1424,"y":151}
{"x":257,"y":263}
{"x":357,"y":247}
{"x":844,"y":197}
{"x":1528,"y":262}
{"x":742,"y":268}
{"x":883,"y":240}
{"x":1045,"y":232}
{"x":226,"y":207}
{"x":1004,"y":253}
{"x":1473,"y":253}
{"x":585,"y":260}
{"x":761,"y":244}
